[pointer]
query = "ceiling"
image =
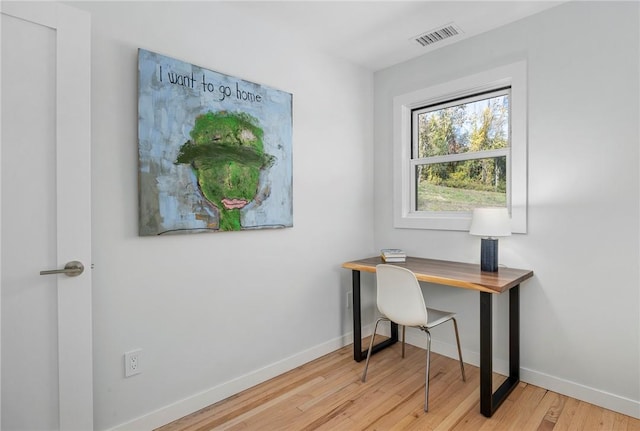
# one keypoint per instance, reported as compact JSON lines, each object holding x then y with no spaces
{"x":378,"y":34}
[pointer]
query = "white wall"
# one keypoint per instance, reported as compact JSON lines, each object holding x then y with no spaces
{"x":580,"y":323}
{"x":214,"y":313}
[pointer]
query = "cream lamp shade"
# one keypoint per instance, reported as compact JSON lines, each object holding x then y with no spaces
{"x":490,"y":222}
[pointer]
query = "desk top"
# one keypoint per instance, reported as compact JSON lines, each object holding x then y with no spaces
{"x":457,"y":274}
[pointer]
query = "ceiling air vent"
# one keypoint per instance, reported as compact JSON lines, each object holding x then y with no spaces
{"x":433,"y":36}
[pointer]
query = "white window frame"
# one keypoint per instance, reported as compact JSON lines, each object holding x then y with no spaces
{"x":404,"y":213}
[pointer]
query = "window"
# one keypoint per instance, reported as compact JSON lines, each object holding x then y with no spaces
{"x":459,"y":146}
{"x":460,"y":153}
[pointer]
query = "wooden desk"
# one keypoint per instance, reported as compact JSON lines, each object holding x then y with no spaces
{"x":466,"y":276}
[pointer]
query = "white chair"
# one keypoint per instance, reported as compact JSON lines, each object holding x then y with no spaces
{"x":400,"y":300}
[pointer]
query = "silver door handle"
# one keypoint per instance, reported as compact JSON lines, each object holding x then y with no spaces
{"x":71,"y":269}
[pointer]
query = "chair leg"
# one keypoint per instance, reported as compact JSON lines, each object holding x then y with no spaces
{"x":373,"y":336}
{"x":404,"y":331}
{"x":426,"y":386}
{"x":455,"y":327}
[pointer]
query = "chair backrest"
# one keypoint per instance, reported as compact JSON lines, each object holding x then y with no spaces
{"x":399,"y":296}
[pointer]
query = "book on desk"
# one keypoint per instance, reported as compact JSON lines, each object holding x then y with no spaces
{"x":393,"y":255}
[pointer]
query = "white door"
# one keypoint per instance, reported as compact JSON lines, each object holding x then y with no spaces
{"x":46,"y":351}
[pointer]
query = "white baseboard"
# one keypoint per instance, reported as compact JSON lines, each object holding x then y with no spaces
{"x":198,"y":401}
{"x":211,"y":396}
{"x":581,"y":392}
{"x":571,"y":389}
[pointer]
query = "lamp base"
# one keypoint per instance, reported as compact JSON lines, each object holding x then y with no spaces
{"x":489,"y":255}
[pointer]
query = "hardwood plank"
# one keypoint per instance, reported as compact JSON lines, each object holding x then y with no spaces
{"x":267,"y":405}
{"x":327,"y":394}
{"x":632,"y":424}
{"x":553,"y":413}
{"x":567,"y":415}
{"x":539,"y":410}
{"x":453,"y":415}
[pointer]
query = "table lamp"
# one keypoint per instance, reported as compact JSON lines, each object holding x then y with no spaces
{"x":489,"y":223}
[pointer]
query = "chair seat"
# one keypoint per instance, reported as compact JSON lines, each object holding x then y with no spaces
{"x":436,"y":317}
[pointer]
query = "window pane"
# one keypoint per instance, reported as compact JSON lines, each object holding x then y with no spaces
{"x":461,"y":186}
{"x":472,"y":126}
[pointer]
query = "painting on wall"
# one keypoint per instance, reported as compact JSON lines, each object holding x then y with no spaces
{"x":214,"y":150}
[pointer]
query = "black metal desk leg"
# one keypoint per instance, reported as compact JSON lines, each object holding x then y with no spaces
{"x":489,"y":400}
{"x":358,"y":353}
{"x":514,"y":332}
{"x":486,"y":353}
{"x":357,"y":318}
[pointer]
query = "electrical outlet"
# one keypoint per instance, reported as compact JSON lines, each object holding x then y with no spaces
{"x":132,"y":364}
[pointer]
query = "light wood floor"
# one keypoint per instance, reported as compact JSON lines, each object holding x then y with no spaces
{"x":327,"y":394}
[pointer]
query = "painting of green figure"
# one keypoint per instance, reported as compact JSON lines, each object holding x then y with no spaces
{"x":226,"y":154}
